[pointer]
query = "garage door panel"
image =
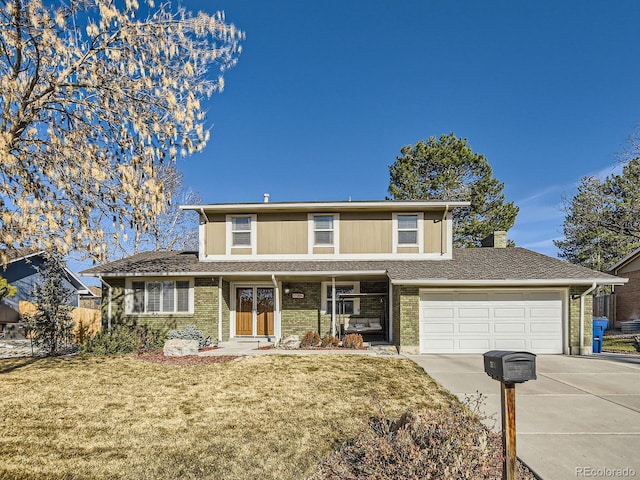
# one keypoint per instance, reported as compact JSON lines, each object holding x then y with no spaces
{"x":505,"y":312}
{"x":510,"y":344}
{"x":473,"y":312}
{"x":475,"y":322}
{"x":477,"y":344}
{"x":502,"y":328}
{"x":444,"y":312}
{"x":542,"y":312}
{"x":438,"y":327}
{"x":440,"y":345}
{"x":545,"y":327}
{"x":474,"y":327}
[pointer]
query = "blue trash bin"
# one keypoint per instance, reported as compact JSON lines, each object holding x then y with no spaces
{"x":600,"y":324}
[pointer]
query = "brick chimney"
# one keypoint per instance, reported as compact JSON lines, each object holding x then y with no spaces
{"x":497,"y":239}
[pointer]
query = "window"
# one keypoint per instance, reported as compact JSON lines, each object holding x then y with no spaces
{"x":348,"y":306}
{"x":323,"y":229}
{"x":166,"y":296}
{"x":407,"y":230}
{"x":241,"y":231}
{"x":323,"y":233}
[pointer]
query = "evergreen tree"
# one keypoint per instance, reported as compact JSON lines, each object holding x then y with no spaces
{"x":602,"y":224}
{"x":51,"y":324}
{"x":446,"y":169}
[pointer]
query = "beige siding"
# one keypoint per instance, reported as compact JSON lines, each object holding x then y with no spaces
{"x":284,"y":233}
{"x":323,"y":250}
{"x":215,"y":235}
{"x":433,"y":226}
{"x":241,"y":251}
{"x":365,"y":232}
{"x":408,"y":250}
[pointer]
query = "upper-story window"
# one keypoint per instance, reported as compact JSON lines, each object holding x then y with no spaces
{"x":241,"y":231}
{"x":407,"y":230}
{"x":323,"y":229}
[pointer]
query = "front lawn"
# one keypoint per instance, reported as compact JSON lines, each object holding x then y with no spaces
{"x":262,"y":417}
{"x":618,"y":344}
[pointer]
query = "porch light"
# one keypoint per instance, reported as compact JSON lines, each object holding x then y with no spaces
{"x":287,"y":290}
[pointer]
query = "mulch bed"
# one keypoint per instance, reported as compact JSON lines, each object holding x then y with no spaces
{"x":158,"y":357}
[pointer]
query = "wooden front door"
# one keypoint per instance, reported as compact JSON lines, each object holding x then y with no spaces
{"x":255,"y":311}
{"x":244,"y":311}
{"x":264,"y":311}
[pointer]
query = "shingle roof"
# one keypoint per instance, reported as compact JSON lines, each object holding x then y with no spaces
{"x":469,"y":265}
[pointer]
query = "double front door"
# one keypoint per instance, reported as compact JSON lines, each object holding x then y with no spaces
{"x":254,"y":311}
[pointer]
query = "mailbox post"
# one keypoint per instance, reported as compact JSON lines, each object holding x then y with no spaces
{"x":509,"y":368}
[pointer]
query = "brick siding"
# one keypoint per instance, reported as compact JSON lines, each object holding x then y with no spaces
{"x":628,"y":298}
{"x":574,"y":320}
{"x":204,"y":317}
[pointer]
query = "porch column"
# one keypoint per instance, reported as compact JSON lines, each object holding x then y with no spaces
{"x":333,"y":306}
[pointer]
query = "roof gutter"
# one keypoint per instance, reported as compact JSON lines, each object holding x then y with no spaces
{"x":300,"y":273}
{"x":582,"y":297}
{"x":561,"y":282}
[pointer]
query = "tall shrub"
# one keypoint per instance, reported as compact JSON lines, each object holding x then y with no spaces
{"x":51,"y":324}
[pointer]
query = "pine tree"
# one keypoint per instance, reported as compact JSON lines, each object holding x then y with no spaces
{"x":51,"y":324}
{"x":446,"y":169}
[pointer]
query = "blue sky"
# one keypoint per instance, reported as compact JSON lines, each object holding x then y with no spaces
{"x":326,"y":93}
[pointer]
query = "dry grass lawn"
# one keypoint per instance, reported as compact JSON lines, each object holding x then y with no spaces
{"x":265,"y":417}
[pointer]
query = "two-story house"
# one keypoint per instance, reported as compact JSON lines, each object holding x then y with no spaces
{"x":386,"y":269}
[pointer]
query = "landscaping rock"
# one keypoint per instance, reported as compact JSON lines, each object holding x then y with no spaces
{"x":178,"y":347}
{"x":292,"y":342}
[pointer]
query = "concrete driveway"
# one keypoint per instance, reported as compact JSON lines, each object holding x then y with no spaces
{"x":579,"y":419}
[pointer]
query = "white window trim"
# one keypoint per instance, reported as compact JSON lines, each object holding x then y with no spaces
{"x":128,"y":295}
{"x":324,"y":299}
{"x":420,"y":243}
{"x":311,"y":232}
{"x":229,"y":234}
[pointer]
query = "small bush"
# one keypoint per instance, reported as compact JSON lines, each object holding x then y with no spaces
{"x":330,"y":341}
{"x":123,"y":339}
{"x":190,"y":332}
{"x":447,"y":443}
{"x":310,"y":339}
{"x":353,"y":340}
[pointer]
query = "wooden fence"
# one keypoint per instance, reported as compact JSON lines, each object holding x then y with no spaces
{"x":88,"y":321}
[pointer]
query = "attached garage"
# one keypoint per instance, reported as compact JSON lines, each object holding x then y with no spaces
{"x":472,"y":321}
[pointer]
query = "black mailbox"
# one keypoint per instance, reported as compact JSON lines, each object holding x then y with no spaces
{"x":510,"y":367}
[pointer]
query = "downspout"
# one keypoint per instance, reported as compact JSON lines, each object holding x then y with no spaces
{"x":276,"y":313}
{"x":220,"y":299}
{"x":109,"y":295}
{"x":582,"y":297}
{"x":442,"y":229}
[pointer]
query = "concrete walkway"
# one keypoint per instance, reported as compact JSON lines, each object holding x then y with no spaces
{"x":579,"y":419}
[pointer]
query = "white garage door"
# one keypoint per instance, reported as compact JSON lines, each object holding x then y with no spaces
{"x":475,"y":322}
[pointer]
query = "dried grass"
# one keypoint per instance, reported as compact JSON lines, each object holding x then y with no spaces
{"x":266,"y":417}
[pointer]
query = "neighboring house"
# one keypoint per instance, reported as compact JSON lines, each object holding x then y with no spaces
{"x":92,"y":302}
{"x":22,"y":272}
{"x":626,"y":298}
{"x":386,"y":269}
